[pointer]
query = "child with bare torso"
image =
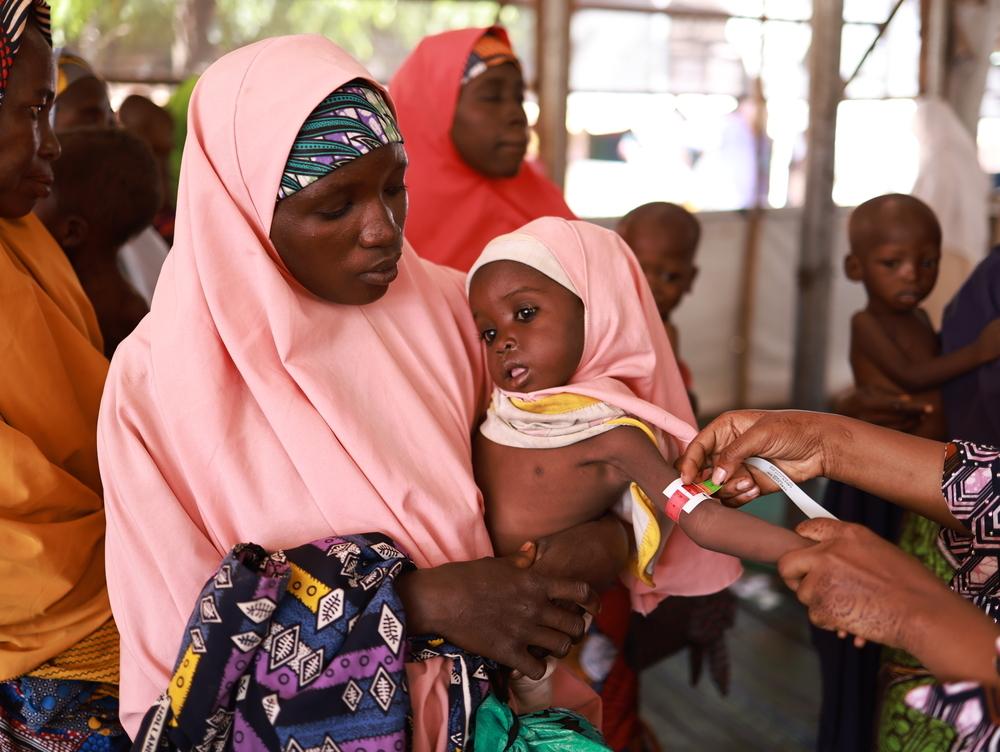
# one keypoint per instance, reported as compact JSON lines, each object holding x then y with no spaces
{"x":584,"y":414}
{"x":895,"y":249}
{"x":534,"y":346}
{"x":538,"y":470}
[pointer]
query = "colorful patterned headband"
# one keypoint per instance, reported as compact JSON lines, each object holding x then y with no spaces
{"x":489,"y":52}
{"x":13,"y":21}
{"x":352,"y":121}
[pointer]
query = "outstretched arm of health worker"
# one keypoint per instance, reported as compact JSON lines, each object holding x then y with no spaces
{"x":854,"y":581}
{"x":900,"y":468}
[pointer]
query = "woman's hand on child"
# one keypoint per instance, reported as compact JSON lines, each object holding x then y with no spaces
{"x":595,"y":552}
{"x":498,"y":608}
{"x":794,"y":440}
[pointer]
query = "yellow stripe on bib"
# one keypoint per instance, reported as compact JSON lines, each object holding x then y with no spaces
{"x":555,"y":404}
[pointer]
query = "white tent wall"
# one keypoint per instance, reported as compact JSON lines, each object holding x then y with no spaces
{"x":708,"y":317}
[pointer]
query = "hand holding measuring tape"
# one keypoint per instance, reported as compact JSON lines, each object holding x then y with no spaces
{"x":685,"y":497}
{"x":794,"y":440}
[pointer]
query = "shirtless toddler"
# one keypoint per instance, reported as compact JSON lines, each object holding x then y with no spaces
{"x":895,"y":249}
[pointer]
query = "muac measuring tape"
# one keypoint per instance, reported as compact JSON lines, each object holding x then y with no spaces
{"x":683,"y":497}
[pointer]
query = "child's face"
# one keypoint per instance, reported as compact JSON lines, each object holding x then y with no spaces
{"x":900,"y":271}
{"x":668,"y":266}
{"x":342,"y":236}
{"x":532,"y":326}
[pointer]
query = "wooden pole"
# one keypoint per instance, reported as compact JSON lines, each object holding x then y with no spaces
{"x":815,"y":268}
{"x":754,"y":220}
{"x":192,"y":51}
{"x":553,"y":84}
{"x":933,"y":47}
{"x":973,"y":28}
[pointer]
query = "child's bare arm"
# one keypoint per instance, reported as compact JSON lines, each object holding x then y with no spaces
{"x":710,"y":524}
{"x":868,"y":337}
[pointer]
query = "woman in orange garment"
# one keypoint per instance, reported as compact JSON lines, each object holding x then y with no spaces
{"x":58,"y":645}
{"x":459,"y":97}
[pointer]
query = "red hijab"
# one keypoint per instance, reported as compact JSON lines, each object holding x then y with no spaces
{"x":454,"y":210}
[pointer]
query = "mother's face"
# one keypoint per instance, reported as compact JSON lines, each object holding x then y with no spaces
{"x":342,"y":236}
{"x":27,"y":144}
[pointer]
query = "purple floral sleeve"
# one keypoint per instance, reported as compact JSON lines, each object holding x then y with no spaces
{"x":971,"y":486}
{"x":969,"y":708}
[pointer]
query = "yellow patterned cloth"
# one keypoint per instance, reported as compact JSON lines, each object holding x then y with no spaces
{"x":95,"y":658}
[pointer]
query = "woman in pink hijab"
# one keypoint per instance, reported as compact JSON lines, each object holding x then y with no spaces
{"x":301,"y":375}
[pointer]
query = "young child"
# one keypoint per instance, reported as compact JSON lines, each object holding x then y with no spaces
{"x":664,"y":237}
{"x":582,"y":370}
{"x":106,"y":190}
{"x":895,"y":248}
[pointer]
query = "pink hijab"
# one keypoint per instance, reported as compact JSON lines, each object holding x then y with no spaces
{"x":627,"y":361}
{"x":244,"y":409}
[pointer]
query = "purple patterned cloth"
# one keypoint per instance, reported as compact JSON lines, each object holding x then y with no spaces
{"x":303,"y":650}
{"x":970,"y":487}
{"x":969,"y":708}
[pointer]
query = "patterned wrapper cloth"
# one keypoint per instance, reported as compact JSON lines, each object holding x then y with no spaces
{"x":304,"y":650}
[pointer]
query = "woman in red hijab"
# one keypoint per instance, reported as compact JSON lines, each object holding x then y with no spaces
{"x":459,"y":97}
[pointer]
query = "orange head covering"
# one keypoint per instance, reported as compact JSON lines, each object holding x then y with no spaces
{"x":627,"y":362}
{"x":245,"y":409}
{"x":455,"y":210}
{"x":492,"y":49}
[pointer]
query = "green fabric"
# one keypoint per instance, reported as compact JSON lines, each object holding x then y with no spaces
{"x":552,"y":730}
{"x":900,"y":727}
{"x":178,"y":105}
{"x":904,"y":729}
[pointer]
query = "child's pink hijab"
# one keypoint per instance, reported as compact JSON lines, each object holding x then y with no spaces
{"x":244,"y":409}
{"x":627,"y":361}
